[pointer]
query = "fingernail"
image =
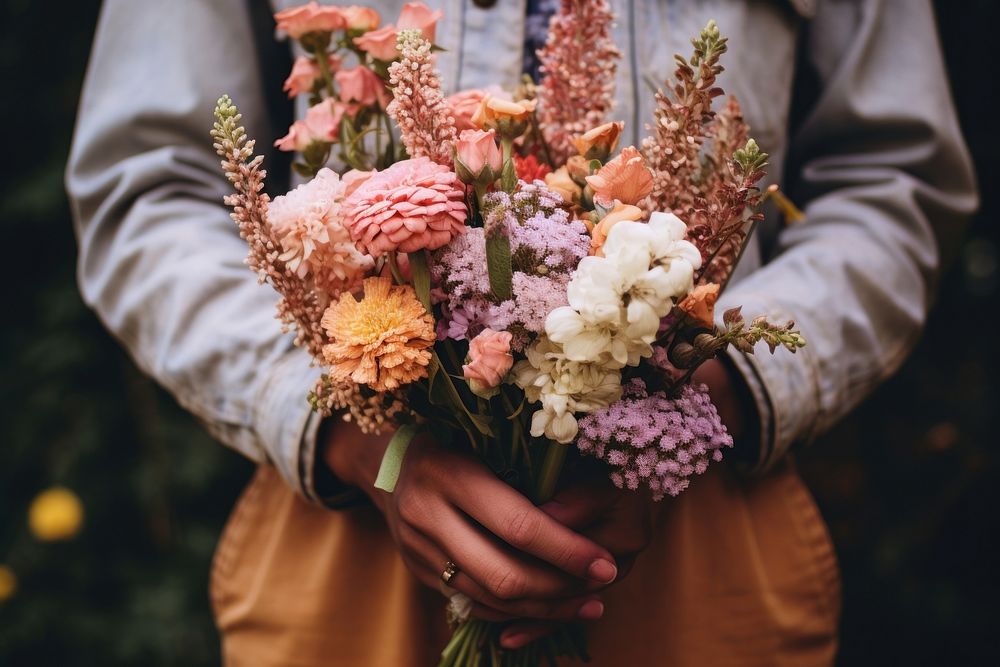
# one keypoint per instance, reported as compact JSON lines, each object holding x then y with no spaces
{"x":591,"y":610}
{"x":602,"y":571}
{"x":513,"y":641}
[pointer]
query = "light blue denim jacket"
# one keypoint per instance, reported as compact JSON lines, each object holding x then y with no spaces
{"x":878,"y":164}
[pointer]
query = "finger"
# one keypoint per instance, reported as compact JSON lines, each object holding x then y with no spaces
{"x":521,"y":634}
{"x":582,"y":504}
{"x":511,"y":517}
{"x":431,"y":560}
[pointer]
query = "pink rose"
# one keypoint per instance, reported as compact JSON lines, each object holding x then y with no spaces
{"x":478,"y":156}
{"x":311,"y":17}
{"x":304,"y":74}
{"x":489,"y":361}
{"x":360,"y":84}
{"x":418,"y":16}
{"x":413,"y":205}
{"x":322,"y":123}
{"x":297,"y":139}
{"x":323,"y":120}
{"x":464,"y":104}
{"x":379,"y":44}
{"x":360,"y":18}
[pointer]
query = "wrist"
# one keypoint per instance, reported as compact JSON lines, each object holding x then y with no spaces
{"x":351,"y":457}
{"x":732,"y":397}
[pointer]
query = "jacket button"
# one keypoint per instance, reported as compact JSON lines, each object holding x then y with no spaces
{"x":484,"y":4}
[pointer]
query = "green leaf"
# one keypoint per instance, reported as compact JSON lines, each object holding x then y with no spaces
{"x":392,"y":460}
{"x":499,"y":266}
{"x":421,"y":277}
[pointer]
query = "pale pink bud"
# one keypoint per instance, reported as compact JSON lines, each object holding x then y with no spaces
{"x":478,"y":150}
{"x":297,"y":139}
{"x":418,"y":16}
{"x":311,"y":17}
{"x":379,"y":44}
{"x":360,"y":18}
{"x":323,"y":120}
{"x":360,"y":84}
{"x":489,"y":361}
{"x":304,"y":74}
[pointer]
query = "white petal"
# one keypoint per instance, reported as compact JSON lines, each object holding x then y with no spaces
{"x":563,"y":324}
{"x":667,"y":226}
{"x":563,"y":429}
{"x":587,"y":346}
{"x":539,"y":422}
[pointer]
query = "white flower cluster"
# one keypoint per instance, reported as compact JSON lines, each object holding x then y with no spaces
{"x":615,"y":306}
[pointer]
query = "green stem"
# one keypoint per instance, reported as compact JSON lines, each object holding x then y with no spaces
{"x":394,"y":268}
{"x":548,"y":475}
{"x":322,"y":60}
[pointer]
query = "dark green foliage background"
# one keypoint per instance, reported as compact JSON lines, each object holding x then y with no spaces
{"x":909,"y":483}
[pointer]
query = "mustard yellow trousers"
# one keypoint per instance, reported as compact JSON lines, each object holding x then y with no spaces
{"x":740,"y":573}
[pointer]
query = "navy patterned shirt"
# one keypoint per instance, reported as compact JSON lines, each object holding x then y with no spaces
{"x":536,"y":29}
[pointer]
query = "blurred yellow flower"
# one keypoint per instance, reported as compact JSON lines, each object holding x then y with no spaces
{"x":55,"y":514}
{"x":8,"y":583}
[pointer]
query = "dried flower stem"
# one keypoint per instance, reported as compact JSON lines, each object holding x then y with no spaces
{"x":578,"y":64}
{"x":418,"y":106}
{"x":300,"y":308}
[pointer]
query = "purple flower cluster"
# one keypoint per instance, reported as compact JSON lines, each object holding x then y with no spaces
{"x":655,"y":440}
{"x":546,"y":247}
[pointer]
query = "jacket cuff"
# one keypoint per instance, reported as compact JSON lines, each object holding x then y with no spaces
{"x":783,"y":385}
{"x":286,"y":423}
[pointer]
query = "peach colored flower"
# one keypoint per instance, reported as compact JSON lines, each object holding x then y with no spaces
{"x":599,"y":142}
{"x":477,"y":151}
{"x":600,"y":232}
{"x":418,"y":16}
{"x":310,"y":17}
{"x":322,"y":123}
{"x":465,"y":103}
{"x":304,"y":74}
{"x":489,"y":361}
{"x":360,"y":18}
{"x":297,"y":139}
{"x":314,"y":240}
{"x":379,"y":44}
{"x":625,"y":178}
{"x":699,"y":304}
{"x":413,"y":205}
{"x":578,"y":168}
{"x":494,"y":111}
{"x":380,"y":341}
{"x":561,"y":182}
{"x":360,"y":84}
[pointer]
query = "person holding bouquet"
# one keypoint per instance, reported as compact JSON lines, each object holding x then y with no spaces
{"x":317,"y":566}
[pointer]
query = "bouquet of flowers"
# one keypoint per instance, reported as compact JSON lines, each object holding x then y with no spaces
{"x":489,"y":266}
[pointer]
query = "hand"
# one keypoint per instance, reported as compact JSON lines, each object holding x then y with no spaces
{"x":619,"y":520}
{"x":514,"y":560}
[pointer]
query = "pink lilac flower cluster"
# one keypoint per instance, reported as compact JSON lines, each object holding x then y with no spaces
{"x":655,"y":440}
{"x":546,"y":245}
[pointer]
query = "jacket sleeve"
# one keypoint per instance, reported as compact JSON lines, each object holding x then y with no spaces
{"x":887,"y":183}
{"x":159,"y":258}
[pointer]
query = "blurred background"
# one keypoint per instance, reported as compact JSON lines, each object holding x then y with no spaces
{"x":908,"y":484}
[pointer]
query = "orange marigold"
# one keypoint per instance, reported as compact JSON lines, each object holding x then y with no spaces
{"x":381,"y":341}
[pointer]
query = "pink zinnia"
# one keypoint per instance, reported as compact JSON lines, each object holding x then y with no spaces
{"x":413,"y":205}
